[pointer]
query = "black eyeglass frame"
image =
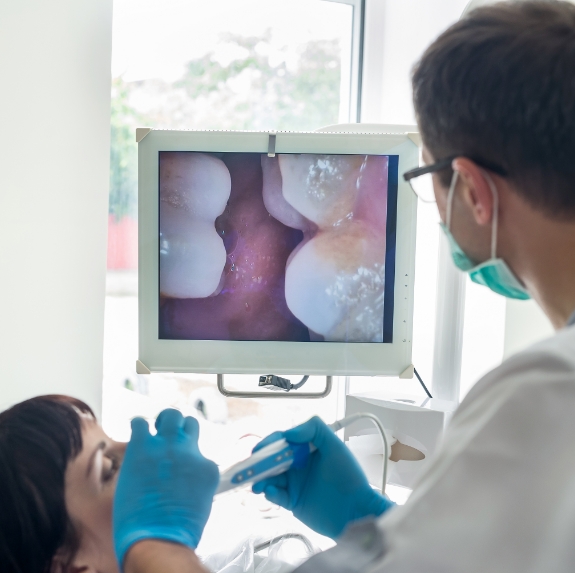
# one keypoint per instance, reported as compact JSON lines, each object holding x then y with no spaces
{"x":445,"y":163}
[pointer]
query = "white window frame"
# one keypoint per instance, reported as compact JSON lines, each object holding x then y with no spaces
{"x":357,"y":49}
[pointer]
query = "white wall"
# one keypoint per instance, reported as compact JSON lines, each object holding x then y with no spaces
{"x":54,"y":157}
{"x":397,"y":34}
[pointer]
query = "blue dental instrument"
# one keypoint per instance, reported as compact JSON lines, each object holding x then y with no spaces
{"x":279,"y":456}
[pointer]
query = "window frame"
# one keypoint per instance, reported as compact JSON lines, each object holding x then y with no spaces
{"x":357,"y":56}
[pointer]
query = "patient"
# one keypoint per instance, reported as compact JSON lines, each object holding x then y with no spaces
{"x":58,"y":473}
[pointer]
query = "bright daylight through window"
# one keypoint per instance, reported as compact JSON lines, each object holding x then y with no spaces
{"x":224,"y":64}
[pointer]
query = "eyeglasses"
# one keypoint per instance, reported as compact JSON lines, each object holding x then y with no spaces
{"x":421,"y":178}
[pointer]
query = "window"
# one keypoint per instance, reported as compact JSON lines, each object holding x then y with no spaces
{"x":250,"y":64}
{"x":223,"y":64}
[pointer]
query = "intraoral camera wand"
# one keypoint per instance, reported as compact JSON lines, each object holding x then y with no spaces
{"x":277,"y":457}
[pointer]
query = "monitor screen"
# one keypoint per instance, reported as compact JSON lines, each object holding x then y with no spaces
{"x":296,"y":247}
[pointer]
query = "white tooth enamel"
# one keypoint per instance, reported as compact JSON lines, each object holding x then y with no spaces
{"x":335,"y":284}
{"x":194,"y":190}
{"x":274,"y":201}
{"x":192,"y":255}
{"x":335,"y":281}
{"x":196,"y":182}
{"x":323,"y":188}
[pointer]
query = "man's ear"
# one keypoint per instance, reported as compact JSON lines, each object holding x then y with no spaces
{"x":475,"y":190}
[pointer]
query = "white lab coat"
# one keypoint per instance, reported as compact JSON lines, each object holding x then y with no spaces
{"x":500,"y":495}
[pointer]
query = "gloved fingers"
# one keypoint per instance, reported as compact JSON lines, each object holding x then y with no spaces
{"x":315,"y":431}
{"x":278,"y":496}
{"x":268,"y":440}
{"x":140,"y":430}
{"x":259,"y":487}
{"x":279,"y":481}
{"x":169,"y":422}
{"x":192,"y":429}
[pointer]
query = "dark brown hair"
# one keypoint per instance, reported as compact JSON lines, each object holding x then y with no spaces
{"x":499,"y":85}
{"x":38,"y":437}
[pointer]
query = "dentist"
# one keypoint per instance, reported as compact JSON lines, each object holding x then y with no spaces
{"x":495,"y":102}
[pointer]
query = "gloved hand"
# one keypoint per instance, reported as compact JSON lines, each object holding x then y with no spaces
{"x":165,"y":486}
{"x":331,"y":490}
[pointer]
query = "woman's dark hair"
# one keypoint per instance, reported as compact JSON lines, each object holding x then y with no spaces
{"x":500,"y":85}
{"x":38,"y":437}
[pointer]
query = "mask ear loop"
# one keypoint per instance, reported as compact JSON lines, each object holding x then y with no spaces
{"x":450,"y":199}
{"x":495,"y":217}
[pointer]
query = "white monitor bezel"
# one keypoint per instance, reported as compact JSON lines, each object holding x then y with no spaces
{"x":255,"y":357}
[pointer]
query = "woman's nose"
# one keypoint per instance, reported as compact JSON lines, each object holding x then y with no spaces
{"x":120,"y":448}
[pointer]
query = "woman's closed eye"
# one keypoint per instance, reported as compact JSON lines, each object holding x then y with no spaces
{"x":110,"y":466}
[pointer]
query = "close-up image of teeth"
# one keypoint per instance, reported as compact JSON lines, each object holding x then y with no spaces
{"x":291,"y":247}
{"x":335,"y":280}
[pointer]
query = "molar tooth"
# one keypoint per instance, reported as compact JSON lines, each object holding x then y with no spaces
{"x":323,"y":188}
{"x":194,"y":190}
{"x":335,"y":277}
{"x":335,"y":284}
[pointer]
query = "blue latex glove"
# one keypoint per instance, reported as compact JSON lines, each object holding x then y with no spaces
{"x":165,"y":486}
{"x":331,"y":490}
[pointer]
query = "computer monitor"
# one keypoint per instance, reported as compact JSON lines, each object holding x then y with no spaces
{"x":289,"y":253}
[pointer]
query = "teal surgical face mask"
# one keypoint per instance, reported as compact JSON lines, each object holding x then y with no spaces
{"x":493,"y":273}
